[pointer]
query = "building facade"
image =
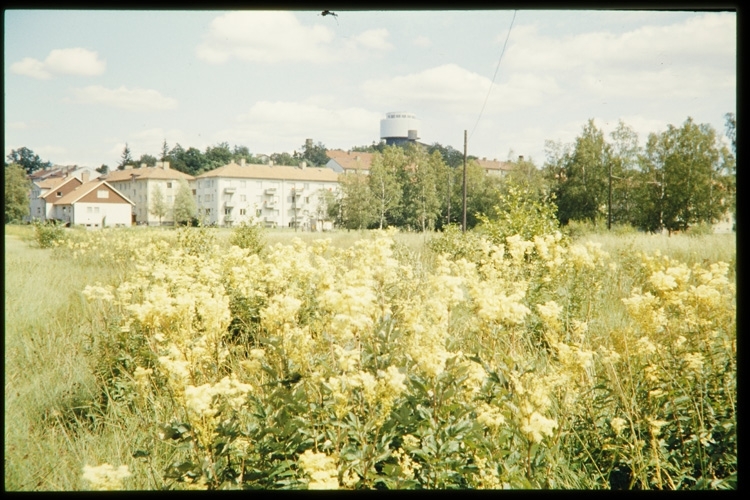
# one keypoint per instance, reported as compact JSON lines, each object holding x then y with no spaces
{"x":94,"y":204}
{"x":273,"y":195}
{"x":141,"y":184}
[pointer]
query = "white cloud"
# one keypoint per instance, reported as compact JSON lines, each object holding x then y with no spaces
{"x":264,"y":37}
{"x":374,"y":39}
{"x":422,"y":41}
{"x":679,"y":60}
{"x":124,"y":98}
{"x":279,"y":37}
{"x":453,"y":88}
{"x":284,"y":126}
{"x":75,"y":61}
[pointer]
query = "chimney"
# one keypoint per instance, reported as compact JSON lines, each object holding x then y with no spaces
{"x":270,"y":163}
{"x":308,"y":143}
{"x":242,"y":162}
{"x":128,"y":167}
{"x":143,"y":165}
{"x":85,"y":176}
{"x":303,"y":164}
{"x":356,"y":158}
{"x":165,"y":165}
{"x":520,"y":157}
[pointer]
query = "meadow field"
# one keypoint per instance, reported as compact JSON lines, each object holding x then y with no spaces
{"x":199,"y":358}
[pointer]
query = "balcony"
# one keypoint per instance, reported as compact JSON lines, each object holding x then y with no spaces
{"x":230,"y":190}
{"x":270,"y":204}
{"x":229,"y":204}
{"x":270,"y":191}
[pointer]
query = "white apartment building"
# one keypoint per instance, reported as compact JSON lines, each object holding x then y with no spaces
{"x":139,"y":184}
{"x":274,"y":195}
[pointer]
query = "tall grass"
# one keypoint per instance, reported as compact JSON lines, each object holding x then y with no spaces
{"x":53,"y":422}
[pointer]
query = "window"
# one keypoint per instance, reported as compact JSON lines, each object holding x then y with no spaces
{"x":169,"y":198}
{"x":307,"y":199}
{"x":258,"y":212}
{"x":208,"y":211}
{"x":193,"y":192}
{"x":89,"y":209}
{"x":243,"y":197}
{"x":243,"y":211}
{"x":307,"y":185}
{"x":242,"y":183}
{"x":227,"y":211}
{"x":96,"y":210}
{"x":199,"y":198}
{"x":169,"y":185}
{"x":59,"y":194}
{"x":102,"y":193}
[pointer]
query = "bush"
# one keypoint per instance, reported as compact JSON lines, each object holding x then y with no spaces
{"x":248,"y":236}
{"x":47,"y":234}
{"x":520,"y":212}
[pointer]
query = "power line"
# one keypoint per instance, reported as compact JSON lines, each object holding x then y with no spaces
{"x":495,"y":75}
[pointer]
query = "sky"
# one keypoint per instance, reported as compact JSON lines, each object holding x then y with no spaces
{"x":81,"y":84}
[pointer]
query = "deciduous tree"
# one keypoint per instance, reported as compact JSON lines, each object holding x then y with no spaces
{"x":184,"y":208}
{"x":26,"y":159}
{"x":159,"y":207}
{"x":16,"y":194}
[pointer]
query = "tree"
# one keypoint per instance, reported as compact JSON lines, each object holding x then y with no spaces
{"x":283,"y":159}
{"x":159,"y":207}
{"x":103,"y":169}
{"x":384,"y":182}
{"x":148,"y":160}
{"x":217,"y":156}
{"x":731,"y":128}
{"x":684,"y":177}
{"x":314,"y":155}
{"x":622,"y":169}
{"x":421,"y":203}
{"x":357,"y":207}
{"x":126,"y":158}
{"x":16,"y":195}
{"x":26,"y":159}
{"x":184,"y":204}
{"x":164,"y":151}
{"x":581,"y":187}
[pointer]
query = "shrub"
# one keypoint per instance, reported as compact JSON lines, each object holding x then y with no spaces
{"x":520,"y":212}
{"x":48,"y":234}
{"x":248,"y":236}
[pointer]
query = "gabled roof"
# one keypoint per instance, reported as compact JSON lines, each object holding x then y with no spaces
{"x":147,"y":173}
{"x":351,"y":160}
{"x":54,"y":183}
{"x":85,"y":189}
{"x":495,"y":165}
{"x":275,"y":172}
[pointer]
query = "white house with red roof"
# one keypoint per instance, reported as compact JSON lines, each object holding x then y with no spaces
{"x":94,"y":204}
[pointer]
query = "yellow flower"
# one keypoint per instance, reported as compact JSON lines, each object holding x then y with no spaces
{"x":618,"y":424}
{"x":322,"y":470}
{"x":105,"y":477}
{"x":536,"y":426}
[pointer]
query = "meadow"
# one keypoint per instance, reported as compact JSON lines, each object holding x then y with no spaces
{"x":200,"y":358}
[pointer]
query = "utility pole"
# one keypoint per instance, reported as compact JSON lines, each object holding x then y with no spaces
{"x":609,"y":199}
{"x":463,"y":227}
{"x":450,"y":174}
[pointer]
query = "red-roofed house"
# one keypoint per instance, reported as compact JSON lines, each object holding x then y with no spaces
{"x":94,"y":204}
{"x":346,"y":162}
{"x":45,"y":192}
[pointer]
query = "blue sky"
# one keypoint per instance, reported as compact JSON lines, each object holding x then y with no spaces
{"x":80,"y":84}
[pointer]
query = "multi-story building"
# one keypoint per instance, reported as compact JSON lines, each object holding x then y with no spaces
{"x":274,"y":195}
{"x":140,"y":184}
{"x":348,"y":162}
{"x":44,"y":193}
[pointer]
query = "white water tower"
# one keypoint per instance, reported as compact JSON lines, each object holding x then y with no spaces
{"x":399,"y":127}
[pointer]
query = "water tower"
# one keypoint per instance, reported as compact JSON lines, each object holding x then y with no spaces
{"x":399,"y":127}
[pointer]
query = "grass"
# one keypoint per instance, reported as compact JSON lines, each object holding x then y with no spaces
{"x":48,"y":369}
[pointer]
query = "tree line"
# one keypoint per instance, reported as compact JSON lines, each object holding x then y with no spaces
{"x":193,"y":161}
{"x":680,"y":177}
